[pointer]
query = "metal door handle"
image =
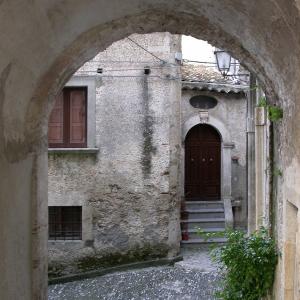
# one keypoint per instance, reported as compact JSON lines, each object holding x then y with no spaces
{"x":211,"y":159}
{"x":203,"y":159}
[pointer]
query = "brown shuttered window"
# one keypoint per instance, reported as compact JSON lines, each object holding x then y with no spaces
{"x":56,"y":122}
{"x":65,"y":222}
{"x":68,"y":120}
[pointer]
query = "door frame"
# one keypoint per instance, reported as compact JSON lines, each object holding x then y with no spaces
{"x":226,"y":147}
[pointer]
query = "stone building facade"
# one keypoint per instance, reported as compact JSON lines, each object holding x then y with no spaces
{"x":129,"y":179}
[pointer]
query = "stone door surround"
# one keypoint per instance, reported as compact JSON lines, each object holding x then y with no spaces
{"x":226,"y":146}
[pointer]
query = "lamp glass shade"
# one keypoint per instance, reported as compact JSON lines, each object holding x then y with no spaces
{"x":223,"y":61}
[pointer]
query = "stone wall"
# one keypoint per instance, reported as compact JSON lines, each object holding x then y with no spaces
{"x":128,"y":187}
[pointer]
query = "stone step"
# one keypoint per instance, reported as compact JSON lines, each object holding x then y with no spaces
{"x":203,"y":213}
{"x":199,"y":241}
{"x":203,"y":223}
{"x":193,"y":233}
{"x":212,"y":229}
{"x":202,"y":205}
{"x":197,"y":199}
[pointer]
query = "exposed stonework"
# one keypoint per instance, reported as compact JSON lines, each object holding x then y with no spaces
{"x":61,"y":36}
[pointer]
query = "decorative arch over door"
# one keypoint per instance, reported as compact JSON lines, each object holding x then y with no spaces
{"x":202,"y":163}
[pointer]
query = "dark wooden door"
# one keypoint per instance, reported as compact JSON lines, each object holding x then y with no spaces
{"x":202,"y":163}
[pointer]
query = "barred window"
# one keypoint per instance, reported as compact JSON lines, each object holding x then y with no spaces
{"x":65,"y":222}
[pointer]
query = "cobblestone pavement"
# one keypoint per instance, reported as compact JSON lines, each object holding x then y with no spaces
{"x":190,"y":279}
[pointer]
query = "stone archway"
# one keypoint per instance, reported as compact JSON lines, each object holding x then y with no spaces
{"x":61,"y":36}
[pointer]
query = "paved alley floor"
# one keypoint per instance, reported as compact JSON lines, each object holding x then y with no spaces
{"x":194,"y":278}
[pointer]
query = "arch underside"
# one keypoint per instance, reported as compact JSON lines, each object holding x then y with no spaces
{"x":59,"y":37}
{"x":253,"y":41}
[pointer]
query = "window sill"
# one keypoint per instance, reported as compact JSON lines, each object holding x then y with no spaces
{"x":74,"y":150}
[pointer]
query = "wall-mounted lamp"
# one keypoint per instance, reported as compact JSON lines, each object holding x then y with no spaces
{"x":223,"y":61}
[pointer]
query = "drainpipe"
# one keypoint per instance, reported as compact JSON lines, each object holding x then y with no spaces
{"x":226,"y":174}
{"x":261,"y":167}
{"x":251,"y":103}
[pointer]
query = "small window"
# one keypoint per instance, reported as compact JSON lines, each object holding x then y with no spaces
{"x":65,"y":222}
{"x":203,"y":102}
{"x":67,"y":123}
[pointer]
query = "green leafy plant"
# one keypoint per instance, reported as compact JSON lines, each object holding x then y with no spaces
{"x":275,"y":113}
{"x":277,"y":172}
{"x":262,"y":102}
{"x":247,"y":264}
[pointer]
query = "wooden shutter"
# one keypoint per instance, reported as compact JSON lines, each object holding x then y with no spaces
{"x":56,"y":122}
{"x":78,"y":117}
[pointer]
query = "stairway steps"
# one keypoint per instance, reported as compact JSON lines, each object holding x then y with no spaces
{"x":193,"y":233}
{"x":203,"y":220}
{"x":203,"y":205}
{"x":204,"y":241}
{"x":203,"y":213}
{"x":208,"y":230}
{"x":203,"y":202}
{"x":201,"y":226}
{"x":204,"y":210}
{"x":209,"y":216}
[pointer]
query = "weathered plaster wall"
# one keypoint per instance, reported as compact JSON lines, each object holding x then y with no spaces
{"x":60,"y":36}
{"x":231,"y":113}
{"x":129,"y":186}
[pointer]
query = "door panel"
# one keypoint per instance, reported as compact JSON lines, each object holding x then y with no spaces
{"x":202,"y":163}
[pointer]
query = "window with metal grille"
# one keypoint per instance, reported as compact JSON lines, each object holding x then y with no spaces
{"x":65,"y":222}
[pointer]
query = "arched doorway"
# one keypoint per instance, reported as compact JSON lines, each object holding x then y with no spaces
{"x":202,"y":163}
